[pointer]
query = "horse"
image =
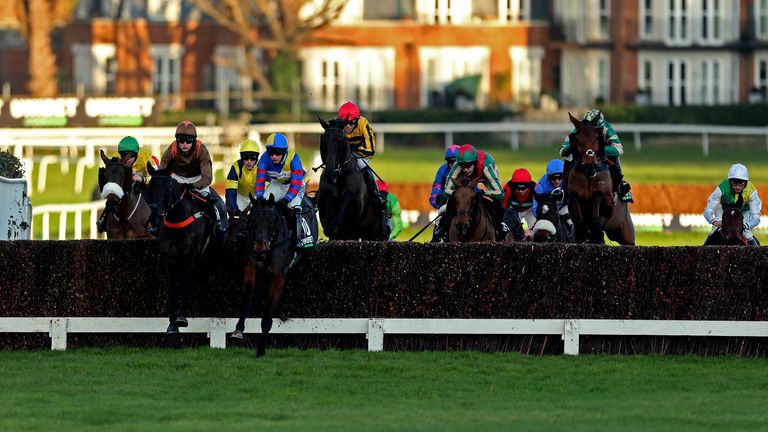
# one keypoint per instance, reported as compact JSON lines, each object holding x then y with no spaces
{"x":549,"y":226}
{"x":731,"y":231}
{"x":185,"y":229}
{"x":343,"y":200}
{"x":267,"y":251}
{"x":237,"y":225}
{"x":127,"y":204}
{"x":592,"y":201}
{"x":472,"y":221}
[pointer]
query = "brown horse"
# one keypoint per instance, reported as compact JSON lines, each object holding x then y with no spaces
{"x":592,"y":201}
{"x":731,"y":231}
{"x":127,"y":204}
{"x":471,"y":221}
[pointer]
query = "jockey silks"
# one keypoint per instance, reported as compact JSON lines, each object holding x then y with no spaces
{"x":240,"y":181}
{"x":362,"y":139}
{"x":196,"y":163}
{"x":291,"y":174}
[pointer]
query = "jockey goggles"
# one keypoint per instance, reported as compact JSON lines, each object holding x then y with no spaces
{"x":737,"y":182}
{"x":276,"y":151}
{"x":127,"y":154}
{"x":451,"y":161}
{"x":522,"y":186}
{"x":353,"y":122}
{"x":466,"y":164}
{"x":185,"y":139}
{"x":249,"y":156}
{"x":553,"y":177}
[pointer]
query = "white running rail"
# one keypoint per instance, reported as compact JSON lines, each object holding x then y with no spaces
{"x":79,"y":211}
{"x":376,"y":328}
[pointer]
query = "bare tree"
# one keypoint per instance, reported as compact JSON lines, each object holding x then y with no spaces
{"x":36,"y":20}
{"x":276,"y":26}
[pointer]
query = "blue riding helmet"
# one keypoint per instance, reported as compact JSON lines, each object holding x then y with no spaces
{"x":451,"y":151}
{"x":277,"y":141}
{"x":555,"y":166}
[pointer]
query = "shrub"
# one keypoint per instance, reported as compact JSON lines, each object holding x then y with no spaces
{"x":10,"y":165}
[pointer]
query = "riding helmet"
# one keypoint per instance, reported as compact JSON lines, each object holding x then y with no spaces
{"x":522,"y":176}
{"x":186,"y":128}
{"x":595,"y":113}
{"x":249,"y":146}
{"x":738,"y":172}
{"x":555,"y":166}
{"x":349,"y":111}
{"x":450,"y":152}
{"x":128,"y":143}
{"x":277,"y":141}
{"x":466,"y":153}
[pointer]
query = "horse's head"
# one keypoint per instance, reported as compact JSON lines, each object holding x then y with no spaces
{"x":547,"y":217}
{"x":115,"y":179}
{"x":263,"y":227}
{"x":236,"y":228}
{"x":586,"y":141}
{"x":163,"y":191}
{"x":464,"y":203}
{"x":334,"y":148}
{"x":733,"y":221}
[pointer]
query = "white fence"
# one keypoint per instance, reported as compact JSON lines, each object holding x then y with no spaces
{"x":81,"y":213}
{"x":376,"y":329}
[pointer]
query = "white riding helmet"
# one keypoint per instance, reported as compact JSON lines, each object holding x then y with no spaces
{"x":738,"y":172}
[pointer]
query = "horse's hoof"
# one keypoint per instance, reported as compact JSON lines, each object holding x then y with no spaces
{"x":237,"y":334}
{"x":181,"y":322}
{"x":260,"y":353}
{"x":172,"y":329}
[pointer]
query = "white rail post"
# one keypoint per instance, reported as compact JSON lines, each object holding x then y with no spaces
{"x":515,"y":140}
{"x":571,"y":337}
{"x":448,"y":139}
{"x":218,"y":333}
{"x":705,"y":143}
{"x":92,"y":224}
{"x":58,"y":334}
{"x":78,"y":224}
{"x":46,"y":226}
{"x":638,"y":142}
{"x":63,"y":225}
{"x":375,"y":335}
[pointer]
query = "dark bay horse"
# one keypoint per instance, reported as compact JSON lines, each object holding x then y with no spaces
{"x":184,"y":230}
{"x":731,"y":231}
{"x":592,"y":202}
{"x":550,"y":226}
{"x":267,"y":252}
{"x":127,"y":204}
{"x":471,"y":220}
{"x":346,"y":209}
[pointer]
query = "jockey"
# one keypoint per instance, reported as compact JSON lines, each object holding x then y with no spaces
{"x":518,"y":203}
{"x":241,"y":180}
{"x":613,"y":149}
{"x":130,"y":156}
{"x":283,"y":171}
{"x":736,"y":185}
{"x":394,"y":218}
{"x":363,"y":142}
{"x":552,"y":183}
{"x":190,"y":164}
{"x":474,"y":164}
{"x":436,"y":198}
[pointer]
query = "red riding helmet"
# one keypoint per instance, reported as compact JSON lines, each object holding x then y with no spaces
{"x":349,"y":111}
{"x":521,"y":175}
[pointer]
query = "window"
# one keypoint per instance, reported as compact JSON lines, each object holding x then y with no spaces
{"x":444,"y":11}
{"x":645,"y":80}
{"x":511,"y":11}
{"x":441,"y":66}
{"x":761,"y":75}
{"x":676,"y":82}
{"x":110,"y":72}
{"x":386,"y":9}
{"x":677,"y":22}
{"x":646,"y":14}
{"x":95,"y":67}
{"x":164,"y":10}
{"x":526,"y":74}
{"x":711,"y":20}
{"x":604,"y":17}
{"x":166,"y":74}
{"x":761,"y":17}
{"x":604,"y":83}
{"x":362,"y":74}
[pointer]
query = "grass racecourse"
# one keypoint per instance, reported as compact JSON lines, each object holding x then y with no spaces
{"x":202,"y":389}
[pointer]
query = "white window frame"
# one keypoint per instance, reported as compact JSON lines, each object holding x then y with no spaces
{"x":164,"y":10}
{"x":647,"y":15}
{"x":514,"y":11}
{"x":526,"y":74}
{"x":710,"y":82}
{"x":336,"y":74}
{"x":451,"y":63}
{"x":645,"y":74}
{"x":166,"y":82}
{"x":90,"y":65}
{"x":761,"y":19}
{"x":678,"y":83}
{"x":444,"y":11}
{"x":712,"y":21}
{"x":677,"y":27}
{"x":604,"y":18}
{"x":761,"y":84}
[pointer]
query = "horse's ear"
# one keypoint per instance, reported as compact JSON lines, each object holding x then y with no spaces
{"x":574,"y":120}
{"x":103,"y":156}
{"x":271,"y":199}
{"x":252,"y":199}
{"x":150,"y":169}
{"x":323,"y":123}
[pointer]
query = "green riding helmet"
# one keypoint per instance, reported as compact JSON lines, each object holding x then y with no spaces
{"x":595,"y":113}
{"x":466,"y":153}
{"x":128,"y":143}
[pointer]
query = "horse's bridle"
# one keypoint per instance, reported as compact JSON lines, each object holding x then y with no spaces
{"x":271,"y":241}
{"x":167,"y":206}
{"x":339,"y":166}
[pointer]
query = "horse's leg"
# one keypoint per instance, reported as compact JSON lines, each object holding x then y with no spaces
{"x":185,"y":285}
{"x":577,"y":217}
{"x":273,"y":300}
{"x":344,"y":208}
{"x":172,"y":291}
{"x":246,"y":301}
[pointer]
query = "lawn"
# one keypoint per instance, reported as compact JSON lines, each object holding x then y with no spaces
{"x":204,"y":389}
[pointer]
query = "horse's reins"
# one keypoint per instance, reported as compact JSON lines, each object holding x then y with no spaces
{"x":132,"y":212}
{"x":273,"y":235}
{"x":186,"y":222}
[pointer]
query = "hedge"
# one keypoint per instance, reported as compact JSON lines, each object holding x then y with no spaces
{"x":404,"y":280}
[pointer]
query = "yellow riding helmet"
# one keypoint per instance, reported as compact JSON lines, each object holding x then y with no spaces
{"x":249,"y":145}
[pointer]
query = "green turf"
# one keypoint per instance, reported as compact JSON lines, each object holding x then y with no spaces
{"x":201,"y":389}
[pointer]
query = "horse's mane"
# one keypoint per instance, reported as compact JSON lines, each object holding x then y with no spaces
{"x":162,"y":173}
{"x":337,"y":123}
{"x":463,"y":181}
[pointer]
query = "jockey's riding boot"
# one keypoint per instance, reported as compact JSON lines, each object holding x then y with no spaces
{"x":370,"y":180}
{"x":622,"y":187}
{"x":101,"y":224}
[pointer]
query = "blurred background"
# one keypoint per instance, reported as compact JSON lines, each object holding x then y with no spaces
{"x":682,"y":81}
